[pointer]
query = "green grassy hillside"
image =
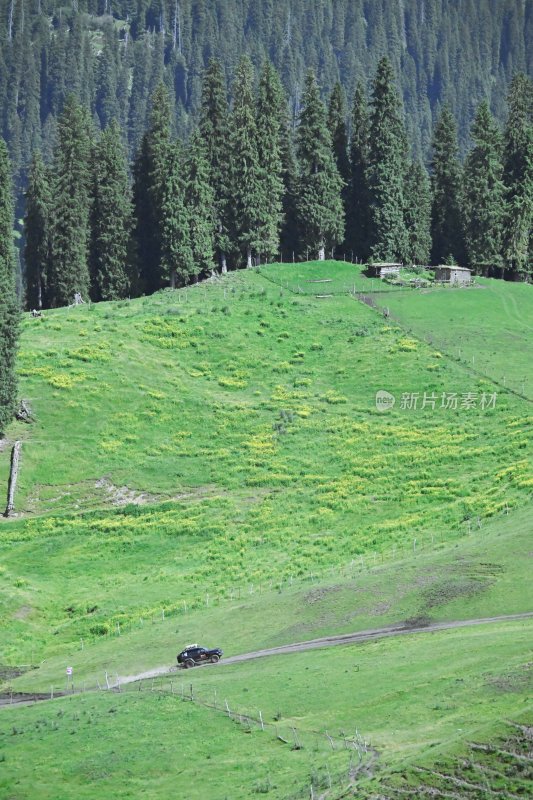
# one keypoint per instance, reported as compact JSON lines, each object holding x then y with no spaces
{"x":488,"y":328}
{"x":209,"y":464}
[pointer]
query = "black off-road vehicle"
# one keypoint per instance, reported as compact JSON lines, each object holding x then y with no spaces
{"x":194,"y":655}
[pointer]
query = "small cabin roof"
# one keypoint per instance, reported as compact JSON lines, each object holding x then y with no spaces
{"x":385,"y":264}
{"x":453,"y":266}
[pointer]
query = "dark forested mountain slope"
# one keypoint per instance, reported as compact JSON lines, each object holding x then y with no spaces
{"x":112,"y":53}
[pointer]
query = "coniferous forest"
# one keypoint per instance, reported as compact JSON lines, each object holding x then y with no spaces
{"x":149,"y":144}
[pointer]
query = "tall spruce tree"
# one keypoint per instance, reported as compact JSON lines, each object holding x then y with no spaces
{"x":289,"y":243}
{"x":417,"y":192}
{"x":71,"y":202}
{"x":247,"y":187}
{"x":177,"y":263}
{"x":386,"y":169}
{"x":483,"y":194}
{"x":446,"y":179}
{"x":518,"y":177}
{"x":358,"y":199}
{"x":319,"y":203}
{"x":200,"y":204}
{"x":150,"y":172}
{"x":214,"y":130}
{"x":339,"y":135}
{"x":289,"y":177}
{"x":269,"y":132}
{"x":37,"y":223}
{"x":9,"y":307}
{"x":111,"y":217}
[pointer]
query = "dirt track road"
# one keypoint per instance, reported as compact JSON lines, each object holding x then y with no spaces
{"x":346,"y":638}
{"x":401,"y":629}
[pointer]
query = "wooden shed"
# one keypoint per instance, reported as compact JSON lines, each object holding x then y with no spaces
{"x":383,"y":270}
{"x":458,"y":276}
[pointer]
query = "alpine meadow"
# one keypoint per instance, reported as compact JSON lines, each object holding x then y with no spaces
{"x":266,"y":334}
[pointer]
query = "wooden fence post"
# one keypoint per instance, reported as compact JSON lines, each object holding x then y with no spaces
{"x":13,"y":474}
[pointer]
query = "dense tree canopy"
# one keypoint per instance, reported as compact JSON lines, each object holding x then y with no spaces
{"x":518,"y":176}
{"x":386,"y":169}
{"x":37,"y":225}
{"x":247,"y":183}
{"x":446,"y":176}
{"x":111,"y":217}
{"x":484,"y":193}
{"x":112,"y":56}
{"x":9,"y":308}
{"x":320,"y":213}
{"x":69,"y":271}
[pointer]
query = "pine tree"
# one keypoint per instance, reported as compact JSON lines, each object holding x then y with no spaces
{"x":9,"y":308}
{"x":70,"y":212}
{"x":289,"y":243}
{"x":518,"y":176}
{"x":150,"y":173}
{"x":270,"y":120}
{"x":483,"y":194}
{"x":319,"y":203}
{"x":339,"y":136}
{"x":37,"y":223}
{"x":107,"y":75}
{"x":214,"y":130}
{"x":248,"y":200}
{"x":141,"y":58}
{"x":177,"y":262}
{"x":418,"y":214}
{"x":386,"y":169}
{"x":358,"y":202}
{"x":200,"y":204}
{"x":111,"y":217}
{"x":446,"y":179}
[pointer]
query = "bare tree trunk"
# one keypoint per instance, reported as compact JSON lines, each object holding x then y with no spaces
{"x":10,"y":21}
{"x":175,"y":26}
{"x":321,"y":253}
{"x":248,"y":257}
{"x":223,"y":263}
{"x":173,"y":279}
{"x":13,"y":474}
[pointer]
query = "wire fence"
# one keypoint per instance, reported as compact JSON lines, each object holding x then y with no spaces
{"x":238,"y":593}
{"x":261,"y":591}
{"x":339,"y":760}
{"x":334,"y":287}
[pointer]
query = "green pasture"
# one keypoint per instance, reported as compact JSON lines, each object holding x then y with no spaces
{"x":98,"y":746}
{"x":111,"y":607}
{"x":412,"y":700}
{"x":488,"y":327}
{"x":322,"y":278}
{"x":407,"y":696}
{"x":237,"y":385}
{"x":209,"y":464}
{"x":227,"y":436}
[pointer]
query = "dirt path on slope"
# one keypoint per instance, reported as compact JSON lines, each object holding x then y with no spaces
{"x":400,"y":629}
